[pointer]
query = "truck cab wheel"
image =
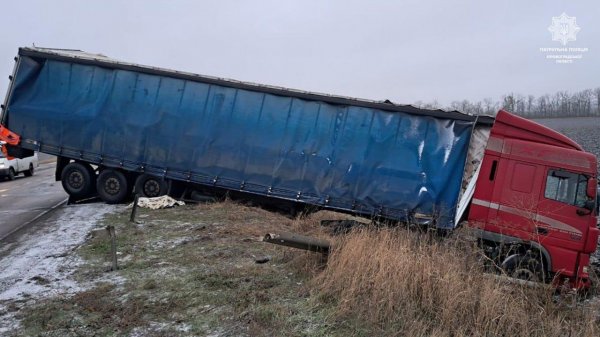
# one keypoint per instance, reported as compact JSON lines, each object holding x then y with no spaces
{"x":524,"y":267}
{"x":11,"y":174}
{"x":151,"y":186}
{"x":78,"y":179}
{"x":112,"y":186}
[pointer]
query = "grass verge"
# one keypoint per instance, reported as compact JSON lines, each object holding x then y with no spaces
{"x":191,"y":271}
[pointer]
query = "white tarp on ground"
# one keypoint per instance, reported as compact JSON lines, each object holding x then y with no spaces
{"x":157,"y":203}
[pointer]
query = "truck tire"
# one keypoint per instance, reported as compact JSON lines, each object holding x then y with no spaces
{"x":11,"y":174}
{"x":29,"y":172}
{"x":150,"y":186}
{"x":524,"y":267}
{"x":112,"y":186}
{"x":78,"y":180}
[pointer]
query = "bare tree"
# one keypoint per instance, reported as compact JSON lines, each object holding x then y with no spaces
{"x":597,"y":95}
{"x":433,"y":105}
{"x":543,"y":105}
{"x":530,"y":105}
{"x":489,"y":106}
{"x":508,"y":102}
{"x":586,"y":99}
{"x":559,"y":104}
{"x":520,"y":104}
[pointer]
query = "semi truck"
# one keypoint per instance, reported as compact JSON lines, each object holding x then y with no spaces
{"x":119,"y":128}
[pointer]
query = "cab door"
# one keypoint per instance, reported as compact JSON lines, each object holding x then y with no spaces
{"x":518,"y":197}
{"x":560,"y":209}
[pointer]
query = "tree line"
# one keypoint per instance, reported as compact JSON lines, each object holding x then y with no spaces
{"x":560,"y":104}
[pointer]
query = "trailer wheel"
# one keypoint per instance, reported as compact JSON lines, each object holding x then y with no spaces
{"x":112,"y":186}
{"x":78,"y":180}
{"x":150,"y":186}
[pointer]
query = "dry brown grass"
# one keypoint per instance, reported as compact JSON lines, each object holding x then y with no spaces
{"x":395,"y":282}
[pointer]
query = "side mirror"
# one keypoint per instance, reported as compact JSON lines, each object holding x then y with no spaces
{"x":587,"y":208}
{"x":591,"y":188}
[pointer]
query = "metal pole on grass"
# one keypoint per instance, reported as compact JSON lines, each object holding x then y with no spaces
{"x":134,"y":208}
{"x":113,"y":245}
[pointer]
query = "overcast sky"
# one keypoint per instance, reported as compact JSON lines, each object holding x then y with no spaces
{"x":405,"y":51}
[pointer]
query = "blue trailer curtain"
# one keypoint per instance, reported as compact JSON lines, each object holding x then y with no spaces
{"x":372,"y":161}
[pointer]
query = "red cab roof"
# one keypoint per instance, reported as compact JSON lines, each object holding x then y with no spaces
{"x":512,"y":126}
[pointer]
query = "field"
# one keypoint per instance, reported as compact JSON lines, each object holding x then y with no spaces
{"x":584,"y":130}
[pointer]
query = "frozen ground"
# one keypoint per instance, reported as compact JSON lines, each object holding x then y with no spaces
{"x":42,"y":263}
{"x":584,"y":130}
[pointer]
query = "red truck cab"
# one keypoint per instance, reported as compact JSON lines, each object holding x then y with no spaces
{"x":534,"y":202}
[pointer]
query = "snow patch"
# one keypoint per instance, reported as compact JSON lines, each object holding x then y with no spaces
{"x":43,"y":262}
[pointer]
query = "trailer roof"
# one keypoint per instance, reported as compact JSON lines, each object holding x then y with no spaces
{"x":81,"y":57}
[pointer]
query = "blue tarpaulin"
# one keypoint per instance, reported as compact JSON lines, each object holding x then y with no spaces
{"x":340,"y":155}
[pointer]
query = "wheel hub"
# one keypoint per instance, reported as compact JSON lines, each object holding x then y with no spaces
{"x":112,"y":186}
{"x":151,"y":188}
{"x":525,"y":274}
{"x":75,"y":179}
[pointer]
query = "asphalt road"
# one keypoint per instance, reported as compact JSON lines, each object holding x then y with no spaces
{"x":27,"y":198}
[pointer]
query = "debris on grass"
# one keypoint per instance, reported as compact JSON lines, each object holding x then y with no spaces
{"x":262,"y":259}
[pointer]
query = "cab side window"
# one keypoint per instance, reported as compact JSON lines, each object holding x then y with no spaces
{"x":566,"y":187}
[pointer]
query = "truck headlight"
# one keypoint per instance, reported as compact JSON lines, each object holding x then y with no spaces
{"x":1,"y":165}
